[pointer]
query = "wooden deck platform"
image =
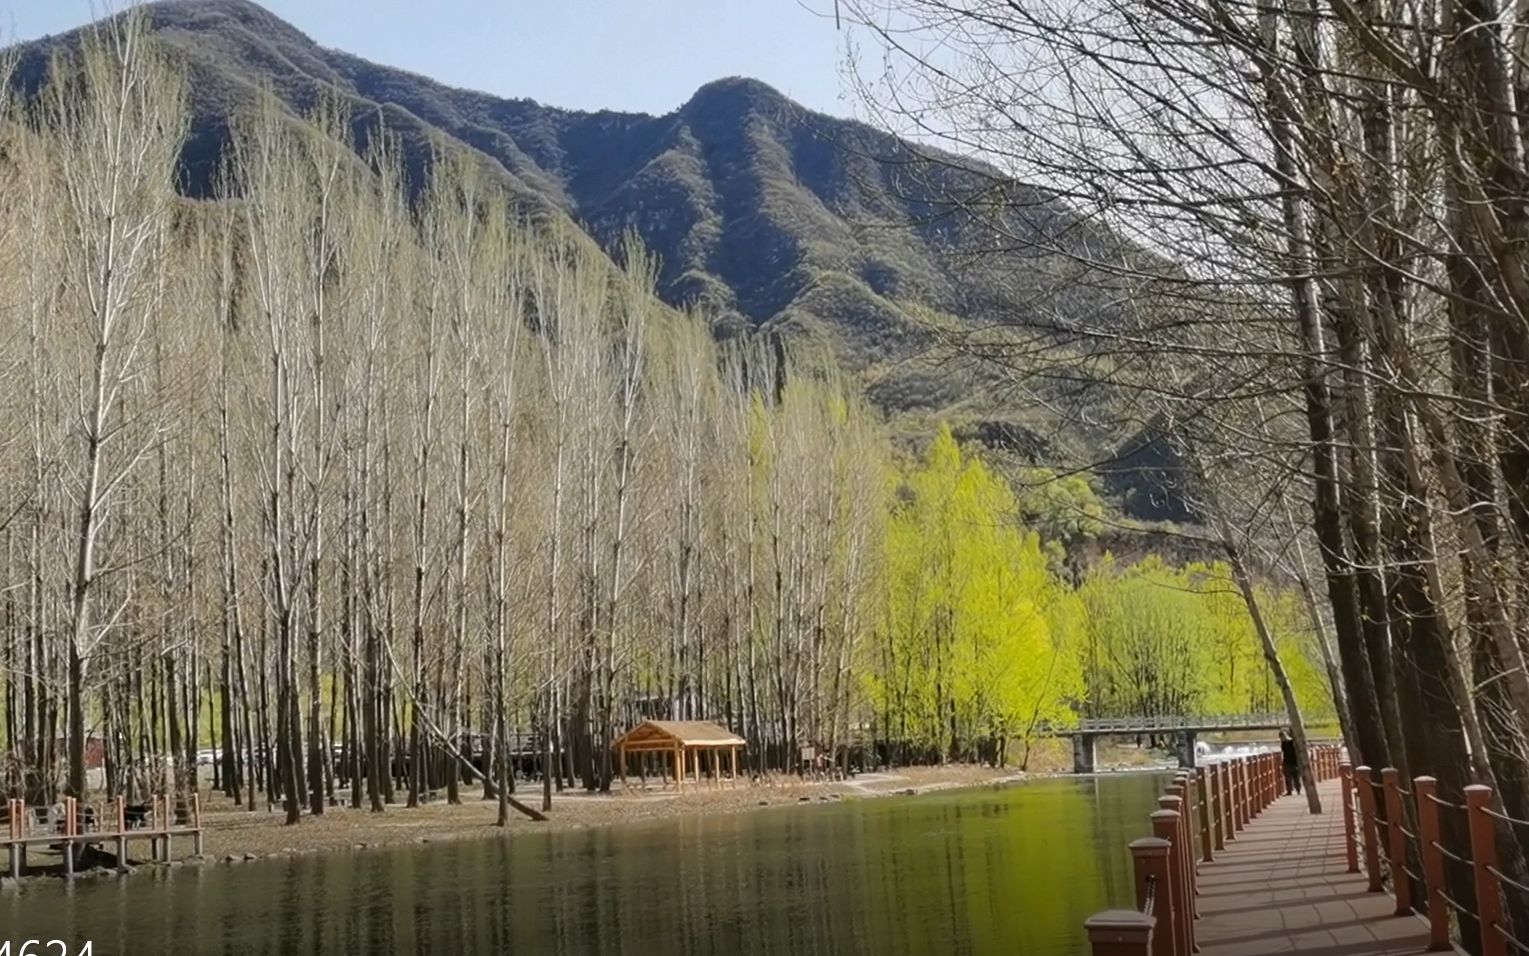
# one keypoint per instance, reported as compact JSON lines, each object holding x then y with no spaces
{"x":1281,"y":888}
{"x":71,"y":828}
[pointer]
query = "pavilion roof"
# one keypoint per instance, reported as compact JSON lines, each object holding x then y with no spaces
{"x":662,"y":734}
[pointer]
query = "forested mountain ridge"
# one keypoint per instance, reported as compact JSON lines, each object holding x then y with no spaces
{"x":772,"y":216}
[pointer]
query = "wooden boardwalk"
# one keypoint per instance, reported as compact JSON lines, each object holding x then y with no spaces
{"x":1281,"y":888}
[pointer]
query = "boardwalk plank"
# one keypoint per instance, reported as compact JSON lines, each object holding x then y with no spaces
{"x":1280,"y":888}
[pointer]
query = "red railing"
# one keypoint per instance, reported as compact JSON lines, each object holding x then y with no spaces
{"x":1385,"y":845}
{"x":1217,"y":800}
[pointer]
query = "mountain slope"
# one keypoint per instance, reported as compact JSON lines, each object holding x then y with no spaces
{"x":770,"y":216}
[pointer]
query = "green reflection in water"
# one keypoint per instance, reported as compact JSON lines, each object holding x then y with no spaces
{"x":992,"y":871}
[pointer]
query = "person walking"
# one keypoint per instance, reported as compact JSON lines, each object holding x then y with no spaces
{"x":1292,"y":763}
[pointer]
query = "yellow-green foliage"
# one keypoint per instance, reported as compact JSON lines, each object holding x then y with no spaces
{"x":1169,"y":640}
{"x":981,"y":643}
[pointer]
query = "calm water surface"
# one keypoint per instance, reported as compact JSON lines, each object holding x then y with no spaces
{"x":993,"y":871}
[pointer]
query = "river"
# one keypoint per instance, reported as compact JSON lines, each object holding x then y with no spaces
{"x":1002,"y":871}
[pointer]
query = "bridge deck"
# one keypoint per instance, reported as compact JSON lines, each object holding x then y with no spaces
{"x":1213,"y":723}
{"x":1281,"y":888}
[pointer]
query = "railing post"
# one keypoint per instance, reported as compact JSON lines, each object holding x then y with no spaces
{"x":1350,"y":837}
{"x":1235,"y":783}
{"x":1204,"y":793}
{"x":1183,"y":788}
{"x":1154,"y":887}
{"x":121,"y":814}
{"x":1255,"y":786}
{"x":1120,"y":933}
{"x":1248,"y":811}
{"x":1165,"y":826}
{"x":1364,"y":782}
{"x":14,"y":807}
{"x":159,"y":825}
{"x":1423,"y":789}
{"x":69,"y":824}
{"x":1224,"y":784}
{"x":1401,"y":885}
{"x":1484,"y":863}
{"x":196,"y":821}
{"x":1182,"y":854}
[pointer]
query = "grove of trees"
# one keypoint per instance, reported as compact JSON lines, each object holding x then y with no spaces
{"x":1312,"y":216}
{"x":371,"y":483}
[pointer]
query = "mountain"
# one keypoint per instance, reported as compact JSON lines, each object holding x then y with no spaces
{"x":770,"y":216}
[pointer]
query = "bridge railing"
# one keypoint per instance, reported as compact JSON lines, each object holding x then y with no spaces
{"x":1205,"y":809}
{"x":1155,"y":724}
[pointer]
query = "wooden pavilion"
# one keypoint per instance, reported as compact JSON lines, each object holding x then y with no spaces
{"x":685,"y":741}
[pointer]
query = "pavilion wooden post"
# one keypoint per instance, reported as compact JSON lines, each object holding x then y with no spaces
{"x":1365,"y":781}
{"x":733,"y":759}
{"x":1484,"y":862}
{"x":679,"y":767}
{"x":1423,"y":789}
{"x":1350,"y":836}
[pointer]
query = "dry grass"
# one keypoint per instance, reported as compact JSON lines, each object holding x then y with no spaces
{"x":235,"y":832}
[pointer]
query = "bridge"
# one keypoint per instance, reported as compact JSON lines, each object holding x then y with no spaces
{"x":1185,"y":730}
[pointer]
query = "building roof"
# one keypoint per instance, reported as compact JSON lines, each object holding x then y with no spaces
{"x":667,"y":734}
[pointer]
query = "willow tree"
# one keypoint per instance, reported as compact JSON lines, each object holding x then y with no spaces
{"x":980,"y":640}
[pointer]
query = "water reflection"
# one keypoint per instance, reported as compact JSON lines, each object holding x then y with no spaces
{"x":994,"y":871}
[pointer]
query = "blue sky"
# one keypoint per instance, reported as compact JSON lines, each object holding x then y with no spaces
{"x":644,"y":55}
